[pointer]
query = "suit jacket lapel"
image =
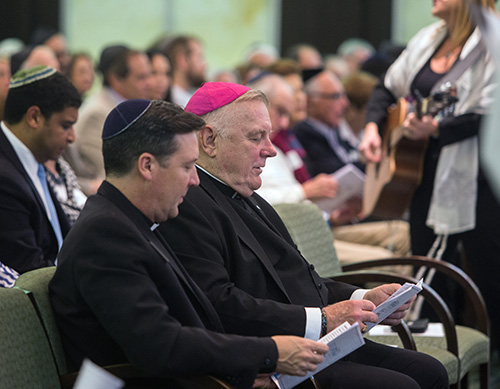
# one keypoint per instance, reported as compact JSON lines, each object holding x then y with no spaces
{"x":11,"y":155}
{"x":241,"y":229}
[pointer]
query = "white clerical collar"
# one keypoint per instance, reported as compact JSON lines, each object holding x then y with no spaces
{"x":211,"y":175}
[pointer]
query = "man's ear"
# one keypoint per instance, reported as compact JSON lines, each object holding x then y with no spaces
{"x":145,"y":165}
{"x":34,"y":117}
{"x":207,"y":140}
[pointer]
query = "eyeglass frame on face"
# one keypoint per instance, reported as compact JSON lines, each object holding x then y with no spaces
{"x":330,"y":96}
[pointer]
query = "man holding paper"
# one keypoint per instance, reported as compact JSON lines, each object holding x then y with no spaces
{"x":238,"y":250}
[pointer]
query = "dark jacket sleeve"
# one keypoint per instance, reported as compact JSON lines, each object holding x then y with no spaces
{"x":380,"y":100}
{"x":203,"y":240}
{"x":128,"y":301}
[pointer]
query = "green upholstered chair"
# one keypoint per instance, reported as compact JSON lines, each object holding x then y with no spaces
{"x":35,"y":283}
{"x":32,"y":289}
{"x":460,"y":350}
{"x":26,"y":360}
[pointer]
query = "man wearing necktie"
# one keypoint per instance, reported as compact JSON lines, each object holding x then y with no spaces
{"x":249,"y":267}
{"x":40,"y":111}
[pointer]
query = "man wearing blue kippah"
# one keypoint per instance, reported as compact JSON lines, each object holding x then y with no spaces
{"x":119,"y":292}
{"x":40,"y":111}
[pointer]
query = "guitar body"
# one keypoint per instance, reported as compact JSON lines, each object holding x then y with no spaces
{"x":390,"y":183}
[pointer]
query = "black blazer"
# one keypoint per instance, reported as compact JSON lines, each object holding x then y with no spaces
{"x":320,"y":157}
{"x":27,"y":240}
{"x":250,"y":269}
{"x":119,"y":294}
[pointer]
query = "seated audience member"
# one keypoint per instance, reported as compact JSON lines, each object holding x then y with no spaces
{"x":161,"y":75}
{"x":8,"y":276}
{"x":355,"y":51}
{"x":326,"y":152}
{"x":81,"y":72}
{"x":261,"y":54}
{"x":40,"y":111}
{"x":54,"y":40}
{"x":358,"y":88}
{"x":292,"y":74}
{"x":318,"y":134}
{"x":119,"y":292}
{"x":187,"y":59}
{"x":247,"y":264}
{"x":281,"y":185}
{"x":126,"y":75}
{"x":307,"y":56}
{"x":65,"y":186}
{"x":33,"y":56}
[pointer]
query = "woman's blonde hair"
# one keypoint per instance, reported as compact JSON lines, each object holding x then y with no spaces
{"x":462,"y":20}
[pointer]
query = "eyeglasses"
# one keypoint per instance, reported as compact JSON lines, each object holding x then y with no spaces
{"x":330,"y":96}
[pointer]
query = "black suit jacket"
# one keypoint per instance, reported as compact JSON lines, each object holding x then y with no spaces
{"x":119,"y":294}
{"x":320,"y":157}
{"x":248,"y":266}
{"x":27,"y":240}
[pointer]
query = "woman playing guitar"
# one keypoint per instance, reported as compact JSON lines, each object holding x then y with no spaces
{"x":453,"y":202}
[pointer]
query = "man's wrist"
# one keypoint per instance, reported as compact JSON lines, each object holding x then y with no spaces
{"x":324,"y":323}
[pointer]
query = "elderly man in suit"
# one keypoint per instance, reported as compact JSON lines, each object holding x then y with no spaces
{"x":238,"y":250}
{"x":40,"y":111}
{"x":121,"y":295}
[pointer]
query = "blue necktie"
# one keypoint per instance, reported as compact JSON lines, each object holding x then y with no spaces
{"x":54,"y":220}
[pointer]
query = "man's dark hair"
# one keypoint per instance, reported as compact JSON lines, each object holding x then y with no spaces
{"x":114,"y":60}
{"x":51,"y":94}
{"x":154,"y":133}
{"x":179,"y":44}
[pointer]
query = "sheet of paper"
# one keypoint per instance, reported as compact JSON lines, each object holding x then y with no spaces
{"x":351,"y":182}
{"x":400,"y":297}
{"x":342,"y":341}
{"x":434,"y":330}
{"x":95,"y":377}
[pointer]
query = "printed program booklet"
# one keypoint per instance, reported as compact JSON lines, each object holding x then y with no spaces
{"x":342,"y":341}
{"x":346,"y":338}
{"x":351,"y":183}
{"x":400,"y":297}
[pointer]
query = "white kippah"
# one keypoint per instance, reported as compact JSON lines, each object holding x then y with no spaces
{"x":28,"y":76}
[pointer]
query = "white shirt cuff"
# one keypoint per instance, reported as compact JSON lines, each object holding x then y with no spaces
{"x":313,"y":323}
{"x":359,"y":294}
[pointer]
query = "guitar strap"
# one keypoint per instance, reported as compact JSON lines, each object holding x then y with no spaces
{"x":459,"y":67}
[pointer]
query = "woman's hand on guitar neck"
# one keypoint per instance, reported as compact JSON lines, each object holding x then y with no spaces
{"x":415,"y":128}
{"x":370,"y":146}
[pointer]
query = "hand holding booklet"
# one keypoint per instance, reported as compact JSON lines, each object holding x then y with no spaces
{"x":350,"y":182}
{"x":400,"y":297}
{"x":342,"y":341}
{"x":346,"y":338}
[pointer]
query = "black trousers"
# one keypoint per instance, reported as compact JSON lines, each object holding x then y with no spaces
{"x":378,"y":366}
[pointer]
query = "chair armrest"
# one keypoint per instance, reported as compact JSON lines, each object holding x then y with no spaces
{"x":427,"y":292}
{"x":455,"y":273}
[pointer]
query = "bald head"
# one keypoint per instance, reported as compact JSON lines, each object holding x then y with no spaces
{"x":281,"y":99}
{"x":41,"y":55}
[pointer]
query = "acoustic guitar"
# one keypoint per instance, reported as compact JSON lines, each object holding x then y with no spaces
{"x":390,"y":183}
